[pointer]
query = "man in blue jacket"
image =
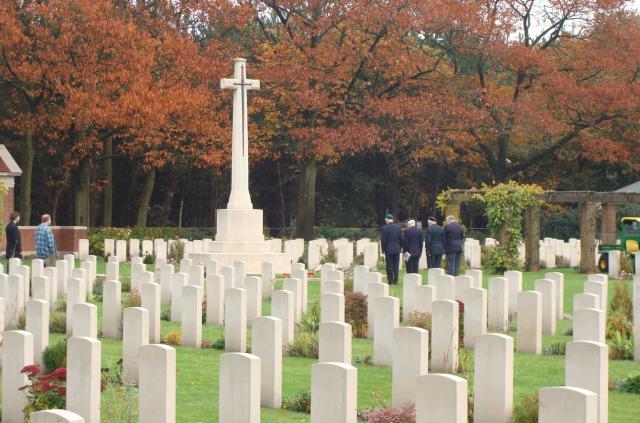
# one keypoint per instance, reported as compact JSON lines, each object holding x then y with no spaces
{"x":453,"y":245}
{"x":413,"y":243}
{"x":391,"y":242}
{"x":434,"y":241}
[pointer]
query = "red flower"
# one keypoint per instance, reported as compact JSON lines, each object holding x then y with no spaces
{"x":32,"y":369}
{"x":460,"y":306}
{"x":62,"y":391}
{"x":59,"y":373}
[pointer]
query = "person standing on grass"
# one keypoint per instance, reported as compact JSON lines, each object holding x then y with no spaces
{"x":14,"y":242}
{"x":413,"y":242}
{"x":453,"y":244}
{"x":434,"y":241}
{"x":45,"y":243}
{"x":391,"y":242}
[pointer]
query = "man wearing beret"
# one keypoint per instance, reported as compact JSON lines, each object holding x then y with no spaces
{"x":391,"y":242}
{"x":434,"y":241}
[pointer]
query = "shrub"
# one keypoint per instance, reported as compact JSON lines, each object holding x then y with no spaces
{"x":165,"y":312}
{"x":304,"y":344}
{"x":22,"y":321}
{"x":348,"y":282}
{"x":55,"y":356}
{"x":132,"y":300}
{"x":58,"y":322}
{"x":630,"y":384}
{"x":620,"y":347}
{"x":149,"y":259}
{"x":496,"y":260}
{"x":419,"y":320}
{"x":44,"y":392}
{"x":619,"y":323}
{"x":176,"y":251}
{"x":364,"y":360}
{"x":300,"y":402}
{"x":204,"y":312}
{"x":310,"y":322}
{"x":173,"y":338}
{"x":403,"y":414}
{"x":61,"y":305}
{"x":526,"y":411}
{"x":97,"y":289}
{"x":355,"y":313}
{"x":330,"y":256}
{"x":218,"y":344}
{"x":621,"y":302}
{"x":557,"y":348}
{"x":626,"y":265}
{"x":465,"y":361}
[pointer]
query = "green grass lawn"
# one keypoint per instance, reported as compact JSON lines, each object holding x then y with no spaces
{"x":197,"y":369}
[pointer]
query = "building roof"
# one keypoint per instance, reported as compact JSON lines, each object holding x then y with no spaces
{"x":8,"y":166}
{"x":634,"y":187}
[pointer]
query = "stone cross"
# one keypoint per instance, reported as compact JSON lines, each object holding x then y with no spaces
{"x":239,"y":198}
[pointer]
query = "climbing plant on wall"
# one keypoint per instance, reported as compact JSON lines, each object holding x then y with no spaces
{"x":504,"y":207}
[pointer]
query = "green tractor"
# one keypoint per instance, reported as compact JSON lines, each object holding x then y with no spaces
{"x":629,"y":242}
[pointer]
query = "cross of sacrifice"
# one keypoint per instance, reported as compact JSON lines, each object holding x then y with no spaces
{"x":240,"y":84}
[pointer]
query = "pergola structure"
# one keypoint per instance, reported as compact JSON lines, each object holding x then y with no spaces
{"x":587,"y":200}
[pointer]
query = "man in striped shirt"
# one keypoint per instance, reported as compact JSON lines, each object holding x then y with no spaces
{"x":45,"y":243}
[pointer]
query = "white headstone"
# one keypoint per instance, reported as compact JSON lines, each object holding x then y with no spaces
{"x":63,"y":276}
{"x":268,"y":279}
{"x":587,"y":367}
{"x":38,"y":325}
{"x":51,"y":273}
{"x":282,"y":308}
{"x":475,"y":315}
{"x":83,"y":378}
{"x":17,"y":352}
{"x":547,"y":288}
{"x":514,"y":284}
{"x":55,"y":416}
{"x":266,"y":343}
{"x":498,"y":303}
{"x":558,"y":278}
{"x":444,"y":336}
{"x":410,"y":360}
{"x":76,"y":295}
{"x":334,"y":342}
{"x":111,"y":309}
{"x":235,"y":320}
{"x":334,"y":393}
{"x":178,"y":281}
{"x":410,"y":282}
{"x":191,"y":316}
{"x":215,"y":299}
{"x":567,"y":405}
{"x":441,"y":398}
{"x":387,"y":318}
{"x":239,"y":390}
{"x":150,"y":299}
{"x":85,"y":321}
{"x":228,"y":274}
{"x":583,"y":300}
{"x":295,"y":286}
{"x":589,"y":325}
{"x":530,"y":322}
{"x":375,"y":290}
{"x":135,"y":333}
{"x":157,"y":393}
{"x":240,"y":273}
{"x":493,"y":379}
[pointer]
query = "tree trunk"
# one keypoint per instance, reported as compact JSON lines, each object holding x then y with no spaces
{"x":25,"y":179}
{"x":307,"y":201}
{"x":107,"y":211}
{"x":82,"y":204}
{"x":145,"y":201}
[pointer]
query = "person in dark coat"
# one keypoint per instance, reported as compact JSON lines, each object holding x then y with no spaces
{"x":413,"y":242}
{"x":391,"y":242}
{"x":434,"y":242}
{"x":14,"y":242}
{"x":453,"y":245}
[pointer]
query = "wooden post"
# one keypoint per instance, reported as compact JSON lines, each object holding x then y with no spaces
{"x":532,"y":238}
{"x":587,"y":237}
{"x":608,"y":224}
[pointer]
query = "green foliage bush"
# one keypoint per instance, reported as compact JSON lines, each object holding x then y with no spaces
{"x":165,"y":312}
{"x":55,"y":356}
{"x":218,"y":344}
{"x":332,"y":232}
{"x":176,"y":251}
{"x":557,"y":348}
{"x":355,"y":313}
{"x":526,"y":411}
{"x":310,"y":321}
{"x":496,"y":261}
{"x":620,"y":347}
{"x":419,"y":320}
{"x":305,"y":344}
{"x":630,"y":384}
{"x":58,"y":322}
{"x":132,"y":300}
{"x":299,"y":402}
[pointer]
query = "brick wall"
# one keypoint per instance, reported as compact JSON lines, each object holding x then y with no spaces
{"x":66,"y":237}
